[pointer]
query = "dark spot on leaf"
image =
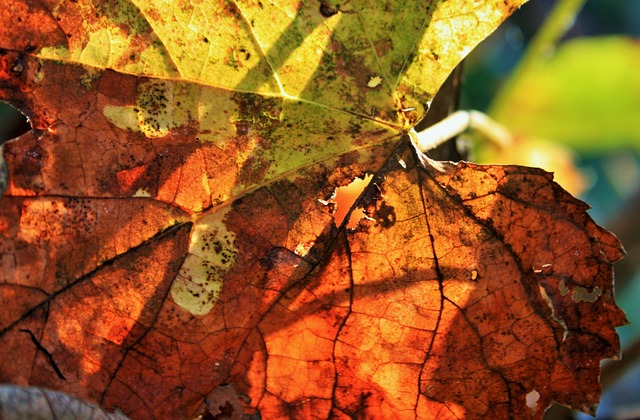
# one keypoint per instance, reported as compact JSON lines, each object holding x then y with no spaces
{"x":385,"y":215}
{"x":18,"y":65}
{"x":327,"y":9}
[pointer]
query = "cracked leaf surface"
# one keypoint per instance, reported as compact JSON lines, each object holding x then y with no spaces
{"x":162,"y":234}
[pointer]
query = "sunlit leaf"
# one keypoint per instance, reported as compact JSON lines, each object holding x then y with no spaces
{"x":168,"y":247}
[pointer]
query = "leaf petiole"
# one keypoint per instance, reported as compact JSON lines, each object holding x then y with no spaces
{"x":457,"y":123}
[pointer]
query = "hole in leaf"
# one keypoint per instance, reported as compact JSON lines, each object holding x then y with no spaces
{"x":532,"y":400}
{"x":564,"y":290}
{"x":345,"y":197}
{"x":582,"y":293}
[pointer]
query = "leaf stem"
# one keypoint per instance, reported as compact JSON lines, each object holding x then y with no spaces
{"x":457,"y":123}
{"x":541,"y":47}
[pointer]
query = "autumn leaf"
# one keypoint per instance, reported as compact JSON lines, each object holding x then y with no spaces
{"x":166,"y":249}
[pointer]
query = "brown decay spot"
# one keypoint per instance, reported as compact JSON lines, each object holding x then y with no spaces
{"x":231,"y":59}
{"x":349,"y":64}
{"x":383,"y":46}
{"x":232,"y":10}
{"x":35,"y":156}
{"x":257,"y":115}
{"x":255,"y":168}
{"x":219,"y":247}
{"x":154,"y":100}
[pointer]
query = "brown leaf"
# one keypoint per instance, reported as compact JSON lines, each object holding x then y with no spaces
{"x":469,"y":288}
{"x":463,"y":294}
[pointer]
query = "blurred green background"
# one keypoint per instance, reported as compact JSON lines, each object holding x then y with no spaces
{"x":574,"y":110}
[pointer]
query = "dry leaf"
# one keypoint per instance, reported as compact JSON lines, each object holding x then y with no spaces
{"x":163,"y":233}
